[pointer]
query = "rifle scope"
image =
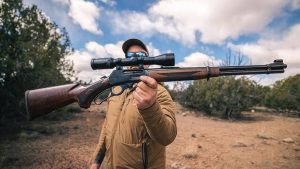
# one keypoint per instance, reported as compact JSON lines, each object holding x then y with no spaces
{"x":109,"y":63}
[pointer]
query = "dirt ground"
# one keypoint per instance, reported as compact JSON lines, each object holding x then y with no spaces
{"x":260,"y":141}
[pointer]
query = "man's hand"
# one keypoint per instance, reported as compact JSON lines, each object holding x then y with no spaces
{"x":95,"y":166}
{"x":145,"y":92}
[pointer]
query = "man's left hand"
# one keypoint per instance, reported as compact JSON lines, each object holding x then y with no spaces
{"x":145,"y":92}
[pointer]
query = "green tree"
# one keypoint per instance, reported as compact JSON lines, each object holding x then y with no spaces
{"x":224,"y":96}
{"x":285,"y":94}
{"x":32,"y":54}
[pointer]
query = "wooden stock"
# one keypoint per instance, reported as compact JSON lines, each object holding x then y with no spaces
{"x":42,"y":101}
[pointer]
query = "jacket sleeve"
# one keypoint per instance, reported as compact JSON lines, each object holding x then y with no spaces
{"x":99,"y":153}
{"x":160,"y":119}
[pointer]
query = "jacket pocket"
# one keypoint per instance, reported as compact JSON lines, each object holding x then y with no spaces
{"x":128,"y":156}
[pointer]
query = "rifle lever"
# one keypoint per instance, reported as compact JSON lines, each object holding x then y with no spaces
{"x":119,"y":90}
{"x":101,"y":100}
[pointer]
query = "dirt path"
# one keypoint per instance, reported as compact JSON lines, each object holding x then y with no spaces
{"x":201,"y":142}
{"x":253,"y":143}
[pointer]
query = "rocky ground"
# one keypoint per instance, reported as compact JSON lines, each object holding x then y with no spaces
{"x":259,"y":141}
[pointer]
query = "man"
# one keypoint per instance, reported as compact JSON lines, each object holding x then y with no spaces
{"x":139,"y":123}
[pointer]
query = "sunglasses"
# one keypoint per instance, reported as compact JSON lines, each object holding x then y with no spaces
{"x":136,"y":54}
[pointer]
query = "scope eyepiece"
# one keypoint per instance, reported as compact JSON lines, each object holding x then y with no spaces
{"x":167,"y":59}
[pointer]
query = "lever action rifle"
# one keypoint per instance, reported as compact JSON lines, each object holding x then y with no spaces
{"x":42,"y":101}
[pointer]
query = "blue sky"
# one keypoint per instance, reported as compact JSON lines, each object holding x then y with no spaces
{"x":199,"y":32}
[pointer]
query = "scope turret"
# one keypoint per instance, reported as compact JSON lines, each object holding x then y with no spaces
{"x":167,"y":59}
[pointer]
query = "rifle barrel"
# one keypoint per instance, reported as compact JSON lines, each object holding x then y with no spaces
{"x":277,"y":64}
{"x":248,"y":72}
{"x":252,"y":67}
{"x":276,"y":67}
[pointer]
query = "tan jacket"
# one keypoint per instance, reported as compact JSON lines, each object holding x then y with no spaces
{"x":126,"y":128}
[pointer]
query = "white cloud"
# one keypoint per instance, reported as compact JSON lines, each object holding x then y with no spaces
{"x":295,"y":4}
{"x":141,"y":23}
{"x":266,"y":50}
{"x":85,"y":14}
{"x":108,"y":2}
{"x":102,"y":51}
{"x":82,"y":59}
{"x":82,"y":66}
{"x":198,"y":59}
{"x":152,"y":50}
{"x":63,"y":2}
{"x":216,"y":20}
{"x":95,"y":48}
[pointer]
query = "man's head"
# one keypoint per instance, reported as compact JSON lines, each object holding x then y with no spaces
{"x":135,"y":48}
{"x":132,"y":47}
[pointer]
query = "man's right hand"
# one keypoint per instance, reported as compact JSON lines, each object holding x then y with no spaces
{"x":95,"y":166}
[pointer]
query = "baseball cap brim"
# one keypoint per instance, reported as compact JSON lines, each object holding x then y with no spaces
{"x":130,"y":42}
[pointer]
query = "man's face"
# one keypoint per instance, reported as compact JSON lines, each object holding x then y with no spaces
{"x":136,"y":48}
